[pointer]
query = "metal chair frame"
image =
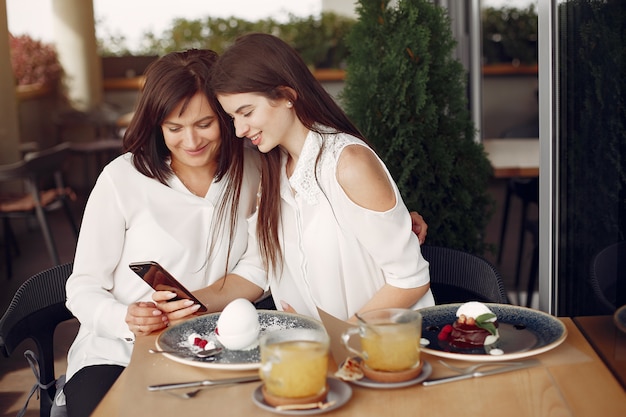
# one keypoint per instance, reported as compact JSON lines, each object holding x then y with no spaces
{"x":606,"y":276}
{"x":36,"y":309}
{"x":32,"y":171}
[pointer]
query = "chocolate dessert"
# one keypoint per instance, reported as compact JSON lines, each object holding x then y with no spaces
{"x":475,"y":326}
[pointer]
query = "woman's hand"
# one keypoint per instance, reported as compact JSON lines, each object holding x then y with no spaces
{"x":419,"y":226}
{"x":174,"y":311}
{"x":144,"y":317}
{"x":287,"y":307}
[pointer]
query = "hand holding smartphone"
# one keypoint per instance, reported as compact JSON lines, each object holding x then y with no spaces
{"x":160,"y":280}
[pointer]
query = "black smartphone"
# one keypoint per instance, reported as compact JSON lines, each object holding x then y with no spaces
{"x":160,"y":280}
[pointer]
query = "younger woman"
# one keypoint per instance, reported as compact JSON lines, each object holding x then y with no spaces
{"x":331,"y":227}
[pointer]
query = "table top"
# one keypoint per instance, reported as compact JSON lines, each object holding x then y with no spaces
{"x":513,"y":157}
{"x":571,"y":380}
{"x":608,"y":341}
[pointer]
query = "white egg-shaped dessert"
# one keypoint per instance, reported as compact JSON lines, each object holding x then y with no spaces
{"x":238,"y":325}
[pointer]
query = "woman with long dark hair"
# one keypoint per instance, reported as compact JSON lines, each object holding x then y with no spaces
{"x":180,"y":196}
{"x":332,"y":229}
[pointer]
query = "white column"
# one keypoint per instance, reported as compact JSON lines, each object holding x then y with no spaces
{"x":9,"y":127}
{"x":340,"y":7}
{"x":75,"y":34}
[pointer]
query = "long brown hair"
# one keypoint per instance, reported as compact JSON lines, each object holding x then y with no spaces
{"x":264,"y":64}
{"x":170,"y":80}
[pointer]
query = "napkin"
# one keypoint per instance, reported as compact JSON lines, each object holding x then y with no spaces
{"x":335,"y":328}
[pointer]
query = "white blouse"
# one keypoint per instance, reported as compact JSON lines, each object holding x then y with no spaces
{"x":337,"y":254}
{"x":129,"y":218}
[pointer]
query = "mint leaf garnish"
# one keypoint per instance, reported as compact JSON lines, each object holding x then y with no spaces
{"x":481,"y":321}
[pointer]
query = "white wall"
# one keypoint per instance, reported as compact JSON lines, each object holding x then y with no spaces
{"x":342,"y":7}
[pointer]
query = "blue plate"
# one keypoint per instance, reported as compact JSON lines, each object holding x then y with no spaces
{"x":523,"y":332}
{"x":175,"y":339}
{"x":620,"y":318}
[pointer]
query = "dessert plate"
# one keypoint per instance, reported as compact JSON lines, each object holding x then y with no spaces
{"x":619,"y":317}
{"x":368,"y":383}
{"x":523,"y":332}
{"x":175,"y":339}
{"x":339,"y":392}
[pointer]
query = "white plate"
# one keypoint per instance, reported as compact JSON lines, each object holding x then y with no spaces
{"x":368,"y":383}
{"x":175,"y":339}
{"x":339,"y":391}
{"x":523,"y":332}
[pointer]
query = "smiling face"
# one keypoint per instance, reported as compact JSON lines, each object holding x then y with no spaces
{"x":267,"y":123}
{"x":193,"y":137}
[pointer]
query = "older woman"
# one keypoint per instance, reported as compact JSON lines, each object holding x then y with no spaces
{"x":180,"y":196}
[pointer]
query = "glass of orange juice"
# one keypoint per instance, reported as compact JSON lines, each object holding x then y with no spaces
{"x":390,"y":340}
{"x":294,"y":364}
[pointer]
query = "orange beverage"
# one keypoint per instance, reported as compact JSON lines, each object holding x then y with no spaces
{"x":294,"y":362}
{"x":391,"y":348}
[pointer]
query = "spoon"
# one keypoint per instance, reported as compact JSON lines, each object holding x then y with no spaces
{"x":201,"y":354}
{"x":366,"y":324}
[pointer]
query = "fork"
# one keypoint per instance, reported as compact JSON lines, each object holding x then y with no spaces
{"x":472,"y":368}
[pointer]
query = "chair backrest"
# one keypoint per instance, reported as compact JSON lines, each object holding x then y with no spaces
{"x":457,"y":277}
{"x":36,"y":165}
{"x":36,"y":309}
{"x":50,"y":158}
{"x":606,"y":276}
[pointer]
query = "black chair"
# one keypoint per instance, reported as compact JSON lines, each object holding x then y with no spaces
{"x":37,"y":308}
{"x":457,"y":277}
{"x":527,"y":190}
{"x":607,"y":276}
{"x":40,"y":173}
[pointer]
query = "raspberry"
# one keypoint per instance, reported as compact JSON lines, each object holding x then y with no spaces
{"x":202,"y":343}
{"x":445,"y":332}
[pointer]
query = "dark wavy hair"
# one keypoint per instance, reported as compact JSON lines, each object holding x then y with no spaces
{"x":264,"y":64}
{"x":170,"y":80}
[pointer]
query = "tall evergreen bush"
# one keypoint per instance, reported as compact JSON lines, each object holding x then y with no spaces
{"x":407,"y":94}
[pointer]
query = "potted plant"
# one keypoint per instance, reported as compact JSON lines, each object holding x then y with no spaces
{"x":34,"y":62}
{"x":408,"y":96}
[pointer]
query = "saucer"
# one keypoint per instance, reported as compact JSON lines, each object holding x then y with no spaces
{"x":339,"y":392}
{"x":368,"y":383}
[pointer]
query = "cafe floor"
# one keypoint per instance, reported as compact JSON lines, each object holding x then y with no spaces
{"x":16,"y":377}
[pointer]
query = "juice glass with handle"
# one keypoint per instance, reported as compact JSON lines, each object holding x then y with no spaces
{"x":390,"y":343}
{"x":294,"y":365}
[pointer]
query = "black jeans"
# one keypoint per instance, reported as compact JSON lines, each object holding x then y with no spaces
{"x":85,"y":389}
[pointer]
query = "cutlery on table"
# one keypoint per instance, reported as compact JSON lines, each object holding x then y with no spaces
{"x":472,"y":368}
{"x":477,"y":373}
{"x":204,"y":383}
{"x":201,"y":354}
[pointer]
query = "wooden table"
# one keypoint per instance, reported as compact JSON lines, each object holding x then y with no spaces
{"x":513,"y":157}
{"x":570,"y":381}
{"x":608,"y":341}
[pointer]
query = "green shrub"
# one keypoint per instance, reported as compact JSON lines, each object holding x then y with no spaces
{"x":510,"y":35}
{"x":319,"y":40}
{"x":408,"y":96}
